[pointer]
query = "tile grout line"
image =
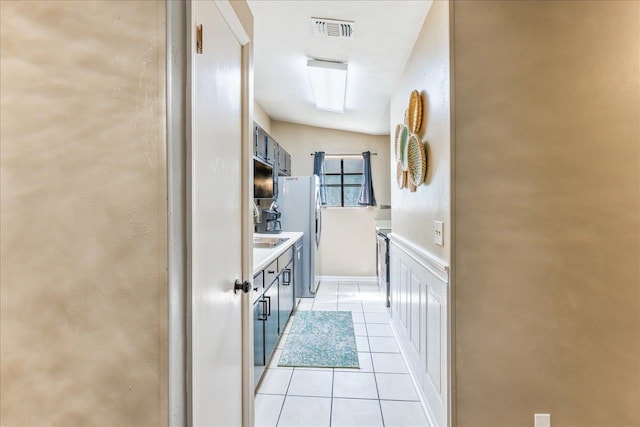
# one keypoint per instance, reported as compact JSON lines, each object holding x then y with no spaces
{"x":375,"y":378}
{"x":286,"y":393}
{"x":333,"y":375}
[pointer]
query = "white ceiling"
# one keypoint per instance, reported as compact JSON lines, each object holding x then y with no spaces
{"x":384,"y":35}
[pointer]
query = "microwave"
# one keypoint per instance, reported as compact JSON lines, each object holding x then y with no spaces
{"x":262,"y":180}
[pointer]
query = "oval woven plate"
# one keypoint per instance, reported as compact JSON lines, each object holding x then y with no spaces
{"x":401,"y":176}
{"x":396,"y":142}
{"x":404,"y":139}
{"x":415,"y":112}
{"x":417,"y":160}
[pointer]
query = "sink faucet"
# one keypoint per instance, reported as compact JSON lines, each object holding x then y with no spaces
{"x":257,"y":218}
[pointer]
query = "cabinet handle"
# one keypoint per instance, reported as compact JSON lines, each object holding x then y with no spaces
{"x":264,"y":310}
{"x":268,"y":305}
{"x":271,"y":272}
{"x":286,"y":277}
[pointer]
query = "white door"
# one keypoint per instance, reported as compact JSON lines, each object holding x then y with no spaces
{"x":215,"y":215}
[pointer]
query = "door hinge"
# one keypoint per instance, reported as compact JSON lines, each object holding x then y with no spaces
{"x":199,"y":39}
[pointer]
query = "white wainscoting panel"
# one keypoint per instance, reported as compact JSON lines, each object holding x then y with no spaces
{"x":419,"y":312}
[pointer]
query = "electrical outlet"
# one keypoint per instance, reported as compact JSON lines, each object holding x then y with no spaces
{"x":438,"y":233}
{"x":542,"y":420}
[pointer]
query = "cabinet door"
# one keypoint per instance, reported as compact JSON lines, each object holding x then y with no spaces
{"x":286,"y":295}
{"x":282,"y":163}
{"x":256,"y":132}
{"x":298,"y":279}
{"x":287,"y":162}
{"x":259,"y":316}
{"x":271,"y":324}
{"x":272,"y":150}
{"x":260,"y":143}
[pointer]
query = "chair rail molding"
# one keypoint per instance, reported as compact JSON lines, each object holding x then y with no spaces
{"x":436,"y":266}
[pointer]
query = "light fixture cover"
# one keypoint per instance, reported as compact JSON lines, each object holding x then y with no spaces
{"x":329,"y":84}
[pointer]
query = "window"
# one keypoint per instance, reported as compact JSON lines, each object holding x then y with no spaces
{"x":343,"y":181}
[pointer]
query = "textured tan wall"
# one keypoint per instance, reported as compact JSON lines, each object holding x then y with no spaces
{"x":348,"y":246}
{"x":83,"y":246}
{"x":427,"y":71}
{"x":547,"y":175}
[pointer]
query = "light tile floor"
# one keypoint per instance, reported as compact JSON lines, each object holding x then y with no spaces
{"x":380,"y":393}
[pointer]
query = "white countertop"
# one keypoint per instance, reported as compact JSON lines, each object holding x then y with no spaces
{"x":383,"y":224}
{"x":262,"y":257}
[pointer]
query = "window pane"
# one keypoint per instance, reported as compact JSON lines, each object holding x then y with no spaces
{"x":332,"y":166}
{"x":333,"y":196}
{"x":332,"y":179}
{"x":353,"y":179}
{"x":351,"y":195}
{"x":353,"y":166}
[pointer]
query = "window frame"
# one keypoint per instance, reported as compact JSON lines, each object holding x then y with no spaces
{"x":342,"y":184}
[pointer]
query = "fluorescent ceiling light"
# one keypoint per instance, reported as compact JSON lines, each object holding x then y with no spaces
{"x":329,"y":84}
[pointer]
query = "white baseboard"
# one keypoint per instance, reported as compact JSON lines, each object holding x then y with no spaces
{"x":373,"y":279}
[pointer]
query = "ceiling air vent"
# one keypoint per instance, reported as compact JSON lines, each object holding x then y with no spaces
{"x":332,"y":28}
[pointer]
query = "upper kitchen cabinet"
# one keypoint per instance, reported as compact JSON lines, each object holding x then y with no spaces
{"x":259,"y":142}
{"x":269,"y":151}
{"x":272,"y":150}
{"x":284,"y":162}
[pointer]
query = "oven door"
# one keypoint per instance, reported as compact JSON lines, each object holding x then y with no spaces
{"x":381,"y":267}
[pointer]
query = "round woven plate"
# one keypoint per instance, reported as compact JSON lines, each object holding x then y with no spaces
{"x":401,"y":176}
{"x":417,"y":160}
{"x":415,"y":112}
{"x":396,"y":142}
{"x":402,"y":147}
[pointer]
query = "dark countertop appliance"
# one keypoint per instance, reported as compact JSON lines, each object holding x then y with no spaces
{"x":270,"y":223}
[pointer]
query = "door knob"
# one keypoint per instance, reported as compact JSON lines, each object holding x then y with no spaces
{"x":241,"y":286}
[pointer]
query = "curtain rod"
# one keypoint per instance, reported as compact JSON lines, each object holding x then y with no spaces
{"x":345,"y":155}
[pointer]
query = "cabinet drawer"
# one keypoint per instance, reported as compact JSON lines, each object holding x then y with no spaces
{"x":270,"y":273}
{"x":285,"y":258}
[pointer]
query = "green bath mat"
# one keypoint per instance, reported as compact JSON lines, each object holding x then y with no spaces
{"x":321,"y":339}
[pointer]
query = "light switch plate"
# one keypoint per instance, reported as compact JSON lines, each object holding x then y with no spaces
{"x":542,"y":420}
{"x":438,"y":233}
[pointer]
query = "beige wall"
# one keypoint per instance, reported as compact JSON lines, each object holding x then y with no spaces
{"x":427,"y":71}
{"x":348,"y":246}
{"x":261,"y":117}
{"x":547,"y":176}
{"x":83,"y":220}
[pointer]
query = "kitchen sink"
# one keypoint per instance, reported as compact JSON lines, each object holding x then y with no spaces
{"x":268,"y":242}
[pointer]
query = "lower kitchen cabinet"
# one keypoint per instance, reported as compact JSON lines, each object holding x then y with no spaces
{"x":286,"y":297}
{"x":271,"y":322}
{"x":259,"y":316}
{"x":272,"y":308}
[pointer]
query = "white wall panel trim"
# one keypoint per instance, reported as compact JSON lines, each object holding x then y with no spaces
{"x":420,"y":311}
{"x":436,"y":266}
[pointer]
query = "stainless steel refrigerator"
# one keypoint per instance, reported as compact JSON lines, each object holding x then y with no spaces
{"x":299,"y":201}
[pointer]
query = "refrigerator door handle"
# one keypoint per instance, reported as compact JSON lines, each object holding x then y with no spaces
{"x":320,"y":234}
{"x":318,"y":223}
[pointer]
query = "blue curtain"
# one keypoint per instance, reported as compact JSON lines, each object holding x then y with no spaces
{"x":367,"y":198}
{"x":318,"y":169}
